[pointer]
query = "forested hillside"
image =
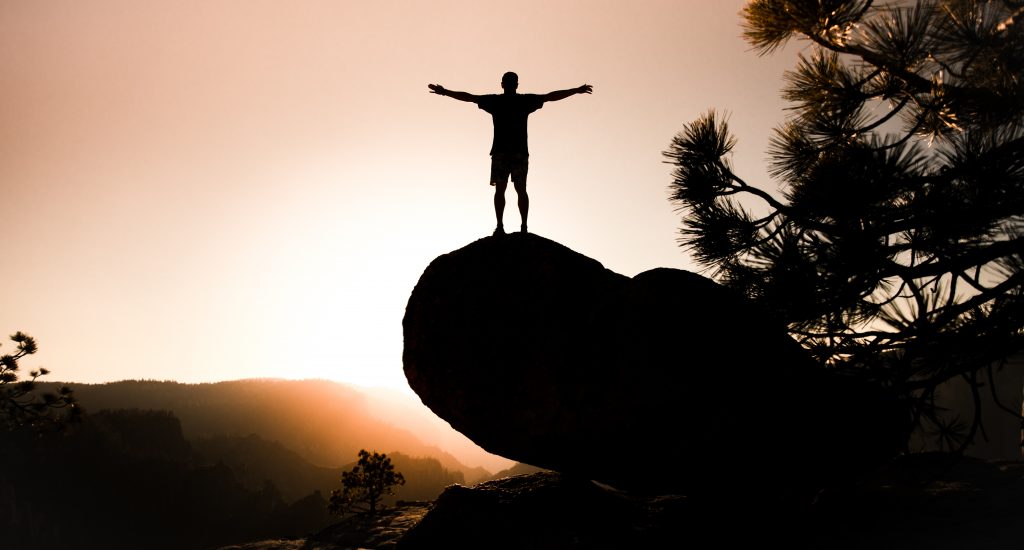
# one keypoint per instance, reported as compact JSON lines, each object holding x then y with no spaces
{"x":325,"y":422}
{"x":176,"y":466}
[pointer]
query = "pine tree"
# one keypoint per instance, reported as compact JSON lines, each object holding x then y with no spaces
{"x":893,"y":247}
{"x":20,"y":404}
{"x":365,"y":486}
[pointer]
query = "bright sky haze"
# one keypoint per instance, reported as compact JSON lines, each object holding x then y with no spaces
{"x":222,"y":189}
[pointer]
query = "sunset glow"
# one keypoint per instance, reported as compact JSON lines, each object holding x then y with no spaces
{"x":205,"y":191}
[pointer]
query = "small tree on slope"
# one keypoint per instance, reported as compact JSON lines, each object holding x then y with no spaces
{"x":364,"y":487}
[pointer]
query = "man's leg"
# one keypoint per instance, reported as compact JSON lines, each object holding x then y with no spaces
{"x":499,"y":204}
{"x":499,"y":179}
{"x":524,"y":200}
{"x":518,"y":173}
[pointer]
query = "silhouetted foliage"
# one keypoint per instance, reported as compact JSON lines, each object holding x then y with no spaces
{"x":20,"y":402}
{"x":364,"y":487}
{"x":894,"y":246}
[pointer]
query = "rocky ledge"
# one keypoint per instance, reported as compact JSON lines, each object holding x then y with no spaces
{"x":540,"y":354}
{"x":933,"y":501}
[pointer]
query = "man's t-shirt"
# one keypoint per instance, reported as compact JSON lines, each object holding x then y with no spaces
{"x":509,"y":112}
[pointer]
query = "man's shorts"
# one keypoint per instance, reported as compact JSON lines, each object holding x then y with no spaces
{"x":504,"y":165}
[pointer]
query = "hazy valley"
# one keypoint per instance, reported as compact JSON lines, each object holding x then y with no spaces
{"x":201,"y":465}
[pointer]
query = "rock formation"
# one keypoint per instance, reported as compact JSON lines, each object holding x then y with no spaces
{"x":665,"y":382}
{"x":934,"y":501}
{"x":547,"y":511}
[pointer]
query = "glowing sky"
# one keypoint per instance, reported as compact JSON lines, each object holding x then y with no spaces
{"x":212,"y":189}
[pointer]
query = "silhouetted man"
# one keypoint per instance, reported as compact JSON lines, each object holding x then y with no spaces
{"x":509,"y":153}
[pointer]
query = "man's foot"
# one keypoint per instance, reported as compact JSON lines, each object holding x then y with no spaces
{"x":498,"y":231}
{"x":522,"y":229}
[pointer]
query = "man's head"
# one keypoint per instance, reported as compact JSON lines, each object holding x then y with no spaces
{"x":509,"y":82}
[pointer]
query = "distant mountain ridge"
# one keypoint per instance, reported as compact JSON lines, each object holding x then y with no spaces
{"x":324,"y":422}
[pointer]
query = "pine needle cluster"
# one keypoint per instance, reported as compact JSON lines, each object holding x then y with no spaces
{"x":891,"y":241}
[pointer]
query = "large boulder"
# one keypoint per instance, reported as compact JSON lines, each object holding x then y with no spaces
{"x":664,"y":382}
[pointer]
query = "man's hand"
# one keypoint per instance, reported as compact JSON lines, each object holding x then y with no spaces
{"x":562,"y":94}
{"x":436,"y":89}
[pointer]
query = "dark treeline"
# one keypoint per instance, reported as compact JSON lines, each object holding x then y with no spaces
{"x":135,"y":478}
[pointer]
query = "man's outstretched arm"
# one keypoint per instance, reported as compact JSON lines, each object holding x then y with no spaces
{"x":562,"y":94}
{"x":461,"y":96}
